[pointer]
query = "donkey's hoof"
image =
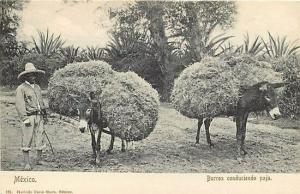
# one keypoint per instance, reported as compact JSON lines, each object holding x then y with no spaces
{"x":123,"y":150}
{"x":243,"y":152}
{"x":211,"y":145}
{"x":240,"y":157}
{"x":98,"y":160}
{"x":27,"y":167}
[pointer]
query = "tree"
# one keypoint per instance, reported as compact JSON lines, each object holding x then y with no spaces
{"x":166,"y":23}
{"x":129,"y":50}
{"x":9,"y":22}
{"x":193,"y":23}
{"x":145,"y":21}
{"x":9,"y":47}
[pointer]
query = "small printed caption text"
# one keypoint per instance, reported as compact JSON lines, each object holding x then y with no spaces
{"x":237,"y":177}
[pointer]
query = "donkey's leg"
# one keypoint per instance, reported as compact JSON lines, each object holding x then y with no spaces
{"x":240,"y":133}
{"x":243,"y":133}
{"x":200,"y":121}
{"x":207,"y":125}
{"x":123,"y":146}
{"x":112,"y":140}
{"x":93,"y":141}
{"x":98,"y":147}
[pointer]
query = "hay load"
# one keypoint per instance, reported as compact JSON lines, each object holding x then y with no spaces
{"x":205,"y":89}
{"x":129,"y":103}
{"x":82,"y":69}
{"x":250,"y":71}
{"x":77,"y":79}
{"x":211,"y":87}
{"x":130,"y":106}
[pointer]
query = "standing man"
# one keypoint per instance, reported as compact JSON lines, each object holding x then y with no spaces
{"x":31,"y":109}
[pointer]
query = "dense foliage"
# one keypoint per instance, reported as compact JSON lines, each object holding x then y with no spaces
{"x":9,"y":23}
{"x":289,"y":99}
{"x":164,"y":29}
{"x":10,"y":69}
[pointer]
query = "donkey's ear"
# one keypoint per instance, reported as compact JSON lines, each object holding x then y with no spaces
{"x":263,"y":87}
{"x":278,"y":85}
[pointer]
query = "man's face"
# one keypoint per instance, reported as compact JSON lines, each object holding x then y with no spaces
{"x":31,"y":78}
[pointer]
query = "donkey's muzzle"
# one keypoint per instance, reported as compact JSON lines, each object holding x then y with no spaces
{"x":82,"y":125}
{"x":82,"y":129}
{"x":275,"y":113}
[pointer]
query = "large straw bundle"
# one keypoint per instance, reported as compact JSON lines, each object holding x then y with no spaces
{"x":211,"y":87}
{"x":205,"y":89}
{"x":250,"y":71}
{"x":129,"y":103}
{"x":130,"y":106}
{"x":77,"y":79}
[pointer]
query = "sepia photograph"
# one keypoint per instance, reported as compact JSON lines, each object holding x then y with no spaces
{"x":175,"y":87}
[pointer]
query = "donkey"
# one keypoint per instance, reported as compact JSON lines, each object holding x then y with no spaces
{"x":93,"y":115}
{"x":258,"y":97}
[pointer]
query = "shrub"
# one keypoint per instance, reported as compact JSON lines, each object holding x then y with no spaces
{"x":289,"y":98}
{"x":11,"y":68}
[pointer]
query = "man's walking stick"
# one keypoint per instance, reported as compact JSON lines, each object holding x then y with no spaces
{"x":45,"y":122}
{"x":49,"y":143}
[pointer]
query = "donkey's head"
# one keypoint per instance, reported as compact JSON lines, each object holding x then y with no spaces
{"x":85,"y":110}
{"x":262,"y":96}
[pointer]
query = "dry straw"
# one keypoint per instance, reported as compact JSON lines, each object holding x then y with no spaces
{"x":129,"y":103}
{"x":211,"y":87}
{"x":130,"y":106}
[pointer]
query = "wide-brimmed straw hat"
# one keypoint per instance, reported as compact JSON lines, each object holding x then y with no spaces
{"x":30,"y":68}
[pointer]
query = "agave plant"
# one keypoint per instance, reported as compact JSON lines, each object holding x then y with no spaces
{"x":277,"y":47}
{"x":117,"y":47}
{"x":214,"y":46}
{"x":252,"y":49}
{"x":128,"y":46}
{"x":70,"y":54}
{"x":230,"y":49}
{"x":94,"y":53}
{"x":47,"y":44}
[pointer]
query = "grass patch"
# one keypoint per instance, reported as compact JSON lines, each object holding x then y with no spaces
{"x":284,"y":123}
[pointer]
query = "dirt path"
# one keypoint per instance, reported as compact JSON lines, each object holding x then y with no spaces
{"x":170,"y":147}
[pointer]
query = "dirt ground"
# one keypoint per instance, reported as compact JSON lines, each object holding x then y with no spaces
{"x":171,"y":148}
